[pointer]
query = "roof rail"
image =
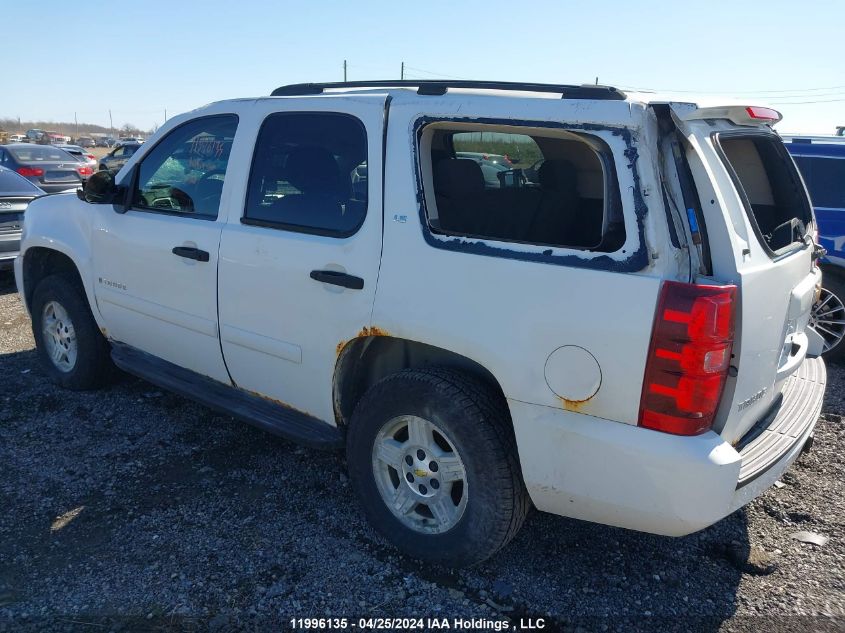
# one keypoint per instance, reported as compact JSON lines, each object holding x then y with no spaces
{"x":440,"y":87}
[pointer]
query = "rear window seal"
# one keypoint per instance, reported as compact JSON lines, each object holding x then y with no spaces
{"x":791,"y":248}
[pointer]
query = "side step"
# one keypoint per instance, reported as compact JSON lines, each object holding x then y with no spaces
{"x":276,"y":418}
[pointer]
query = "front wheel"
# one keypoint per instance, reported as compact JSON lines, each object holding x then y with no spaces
{"x":72,"y":349}
{"x":434,"y":462}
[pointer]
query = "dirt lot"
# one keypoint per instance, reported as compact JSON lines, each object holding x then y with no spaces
{"x":134,"y":509}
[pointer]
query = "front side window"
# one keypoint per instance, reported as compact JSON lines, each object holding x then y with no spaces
{"x":309,"y":174}
{"x":184,"y":173}
{"x":543,"y":188}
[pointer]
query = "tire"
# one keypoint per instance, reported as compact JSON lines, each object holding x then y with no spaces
{"x":823,"y":311}
{"x":471,"y":426}
{"x":91,"y":363}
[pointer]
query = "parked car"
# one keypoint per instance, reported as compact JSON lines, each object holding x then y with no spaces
{"x":625,"y":343}
{"x":16,"y":192}
{"x":490,"y":169}
{"x":86,"y":142}
{"x":130,"y":140}
{"x":105,"y":142}
{"x":81,"y":155}
{"x":50,"y":168}
{"x":17,"y":138}
{"x":822,"y":164}
{"x":35,"y":135}
{"x":117,"y":158}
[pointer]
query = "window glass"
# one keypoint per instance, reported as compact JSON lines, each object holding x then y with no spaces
{"x":184,"y":172}
{"x":309,"y":174}
{"x":39,"y":153}
{"x":528,"y":188}
{"x":825,"y":178}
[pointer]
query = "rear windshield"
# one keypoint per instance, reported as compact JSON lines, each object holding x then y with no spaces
{"x":11,"y":182}
{"x":38,"y":153}
{"x":774,"y":195}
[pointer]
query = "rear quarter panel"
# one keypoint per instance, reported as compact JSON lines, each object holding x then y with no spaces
{"x":509,"y":314}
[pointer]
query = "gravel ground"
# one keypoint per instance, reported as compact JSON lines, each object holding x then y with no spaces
{"x":134,"y":509}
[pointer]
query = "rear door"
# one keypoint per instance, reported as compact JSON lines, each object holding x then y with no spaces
{"x":758,"y":221}
{"x":299,"y":257}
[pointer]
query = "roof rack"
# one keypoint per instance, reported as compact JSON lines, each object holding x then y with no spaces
{"x":440,"y":87}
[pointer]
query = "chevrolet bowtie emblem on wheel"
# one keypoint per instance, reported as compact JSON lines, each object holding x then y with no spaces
{"x":419,"y":472}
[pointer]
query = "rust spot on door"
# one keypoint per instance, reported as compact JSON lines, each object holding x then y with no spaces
{"x":372,"y":331}
{"x":339,"y":348}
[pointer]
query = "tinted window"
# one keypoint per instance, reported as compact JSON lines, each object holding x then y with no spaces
{"x":37,"y":153}
{"x":11,"y":182}
{"x":184,"y":172}
{"x":825,"y":178}
{"x":309,"y":174}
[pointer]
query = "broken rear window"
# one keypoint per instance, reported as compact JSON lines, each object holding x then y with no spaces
{"x":775,"y":198}
{"x":544,"y":188}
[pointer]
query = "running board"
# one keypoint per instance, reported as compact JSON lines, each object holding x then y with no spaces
{"x":270,"y":416}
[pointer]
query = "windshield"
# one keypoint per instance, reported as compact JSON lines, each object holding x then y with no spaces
{"x":39,"y":153}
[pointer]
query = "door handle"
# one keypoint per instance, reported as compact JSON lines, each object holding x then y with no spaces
{"x":338,"y":279}
{"x":191,"y":252}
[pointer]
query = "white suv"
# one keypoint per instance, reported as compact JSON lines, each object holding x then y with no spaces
{"x":617,"y":334}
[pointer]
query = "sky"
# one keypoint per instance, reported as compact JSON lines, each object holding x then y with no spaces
{"x":140,"y":59}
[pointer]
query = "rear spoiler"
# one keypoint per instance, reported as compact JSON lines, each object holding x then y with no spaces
{"x":739,"y":114}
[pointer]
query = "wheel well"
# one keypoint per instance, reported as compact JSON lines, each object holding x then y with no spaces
{"x":366,"y":360}
{"x":40,"y":262}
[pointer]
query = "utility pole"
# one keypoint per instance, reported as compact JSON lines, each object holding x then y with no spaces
{"x":402,"y":72}
{"x":344,"y":71}
{"x":597,"y":81}
{"x":111,"y":124}
{"x":165,"y":115}
{"x":76,"y":124}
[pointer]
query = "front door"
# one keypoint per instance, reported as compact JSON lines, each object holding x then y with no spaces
{"x":299,"y":261}
{"x":156,"y":264}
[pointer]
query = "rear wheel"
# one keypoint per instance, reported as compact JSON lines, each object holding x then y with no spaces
{"x":433,"y":460}
{"x":828,"y":317}
{"x":74,"y":352}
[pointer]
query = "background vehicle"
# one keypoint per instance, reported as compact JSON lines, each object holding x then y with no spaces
{"x":821,"y":161}
{"x":105,"y":142}
{"x":49,"y":168}
{"x":459,"y":346}
{"x":81,"y":155}
{"x":117,"y":158}
{"x":132,"y":140}
{"x":35,"y":135}
{"x":17,"y":138}
{"x":16,"y":192}
{"x":85,"y":142}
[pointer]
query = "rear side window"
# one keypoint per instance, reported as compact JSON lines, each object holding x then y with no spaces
{"x":825,"y":178}
{"x":309,"y":174}
{"x":532,"y":188}
{"x":765,"y":176}
{"x":38,"y":153}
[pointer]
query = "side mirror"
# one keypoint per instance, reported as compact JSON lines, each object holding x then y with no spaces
{"x":101,"y":189}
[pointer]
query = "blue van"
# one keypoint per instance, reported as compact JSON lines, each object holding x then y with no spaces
{"x":821,"y":161}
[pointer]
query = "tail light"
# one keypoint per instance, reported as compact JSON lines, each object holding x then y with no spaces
{"x":85,"y":170}
{"x":90,"y":157}
{"x":30,"y":171}
{"x":688,"y":357}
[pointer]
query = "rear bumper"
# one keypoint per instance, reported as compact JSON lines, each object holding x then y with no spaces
{"x":10,"y":245}
{"x":618,"y":474}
